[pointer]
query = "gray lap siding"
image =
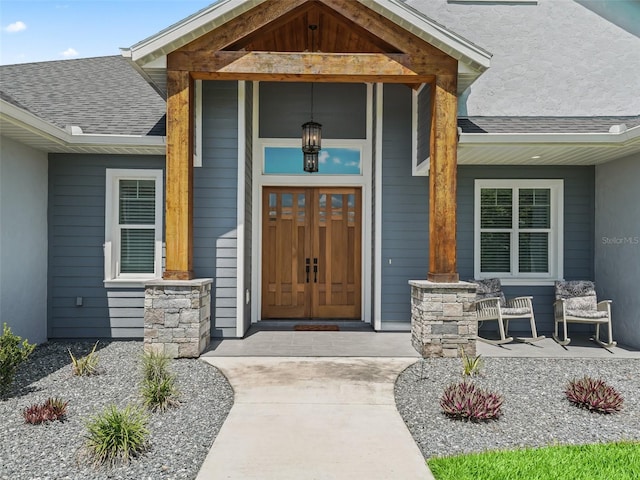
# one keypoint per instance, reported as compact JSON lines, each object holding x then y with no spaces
{"x":215,"y":213}
{"x":76,"y":259}
{"x":405,"y":217}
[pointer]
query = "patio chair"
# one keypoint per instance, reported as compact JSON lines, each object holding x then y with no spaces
{"x":491,"y":304}
{"x":576,"y":302}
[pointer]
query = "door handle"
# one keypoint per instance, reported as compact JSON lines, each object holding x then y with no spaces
{"x":315,"y":270}
{"x":307,"y":268}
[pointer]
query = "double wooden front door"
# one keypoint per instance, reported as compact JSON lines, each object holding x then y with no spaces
{"x":311,"y":252}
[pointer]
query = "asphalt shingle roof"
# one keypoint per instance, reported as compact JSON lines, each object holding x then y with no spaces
{"x":105,"y":95}
{"x":102,"y":95}
{"x":544,"y":124}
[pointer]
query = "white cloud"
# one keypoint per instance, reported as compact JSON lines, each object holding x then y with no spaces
{"x":15,"y":27}
{"x":323,"y":156}
{"x":352,"y":164}
{"x":337,"y":161}
{"x":69,"y":52}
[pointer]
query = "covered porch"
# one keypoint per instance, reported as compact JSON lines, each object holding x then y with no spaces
{"x":374,"y":43}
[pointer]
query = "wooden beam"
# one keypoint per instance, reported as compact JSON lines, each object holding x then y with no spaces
{"x":304,"y":63}
{"x":179,"y":177}
{"x":385,"y":29}
{"x":442,"y":181}
{"x":244,"y":25}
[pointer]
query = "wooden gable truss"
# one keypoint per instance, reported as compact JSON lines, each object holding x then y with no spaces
{"x":273,"y":42}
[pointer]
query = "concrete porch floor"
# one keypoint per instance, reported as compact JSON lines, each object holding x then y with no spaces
{"x":357,"y":339}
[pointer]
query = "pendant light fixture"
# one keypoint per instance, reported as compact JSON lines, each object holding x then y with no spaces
{"x":311,"y":131}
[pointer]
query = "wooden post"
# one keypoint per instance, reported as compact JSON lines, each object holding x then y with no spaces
{"x":179,"y":177}
{"x":442,"y":181}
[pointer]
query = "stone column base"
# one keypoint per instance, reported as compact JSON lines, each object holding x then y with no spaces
{"x":177,"y":317}
{"x":443,"y":320}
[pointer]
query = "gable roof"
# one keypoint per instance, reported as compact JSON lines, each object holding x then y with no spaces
{"x":150,"y":54}
{"x":101,"y":95}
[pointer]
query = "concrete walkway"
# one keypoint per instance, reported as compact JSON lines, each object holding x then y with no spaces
{"x":313,"y":418}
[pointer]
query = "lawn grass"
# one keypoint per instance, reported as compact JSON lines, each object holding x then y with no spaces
{"x":611,"y":461}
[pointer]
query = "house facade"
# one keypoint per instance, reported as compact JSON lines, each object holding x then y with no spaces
{"x":460,"y":140}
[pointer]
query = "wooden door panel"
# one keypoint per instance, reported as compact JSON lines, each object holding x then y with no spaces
{"x":337,"y":242}
{"x":285,"y":243}
{"x":319,"y":229}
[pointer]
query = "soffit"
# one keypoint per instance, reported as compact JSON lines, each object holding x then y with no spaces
{"x":24,"y":127}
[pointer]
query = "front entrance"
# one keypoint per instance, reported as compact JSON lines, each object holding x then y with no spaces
{"x":311,"y":252}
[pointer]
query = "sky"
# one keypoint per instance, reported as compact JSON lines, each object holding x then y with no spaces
{"x":42,"y":30}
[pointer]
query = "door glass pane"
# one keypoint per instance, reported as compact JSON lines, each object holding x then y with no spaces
{"x":322,"y":208}
{"x":332,"y":161}
{"x":336,"y":205}
{"x":351,"y":203}
{"x":273,"y":202}
{"x":301,"y":207}
{"x":533,"y":252}
{"x":287,"y":204}
{"x":496,"y":208}
{"x":495,"y":252}
{"x":535,"y":208}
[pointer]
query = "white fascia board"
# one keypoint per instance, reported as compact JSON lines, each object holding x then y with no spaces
{"x":551,"y":138}
{"x":55,"y":134}
{"x":476,"y":58}
{"x":187,"y":30}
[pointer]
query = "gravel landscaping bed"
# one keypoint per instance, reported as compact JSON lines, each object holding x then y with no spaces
{"x":534,"y":413}
{"x":180,"y":438}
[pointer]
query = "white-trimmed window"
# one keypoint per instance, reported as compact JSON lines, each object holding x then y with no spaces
{"x":518,"y":230}
{"x":133,"y":225}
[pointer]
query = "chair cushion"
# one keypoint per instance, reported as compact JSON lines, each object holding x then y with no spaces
{"x":490,"y":288}
{"x":515,"y":311}
{"x":586,"y":313}
{"x":578,"y":295}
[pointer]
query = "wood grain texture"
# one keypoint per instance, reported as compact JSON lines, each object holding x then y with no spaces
{"x":319,"y":225}
{"x":179,"y":177}
{"x":442,"y":181}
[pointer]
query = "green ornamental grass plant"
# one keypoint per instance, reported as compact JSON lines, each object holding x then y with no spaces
{"x":87,"y":365}
{"x":116,"y":436}
{"x":471,"y":365}
{"x":158,"y":386}
{"x":13,"y":351}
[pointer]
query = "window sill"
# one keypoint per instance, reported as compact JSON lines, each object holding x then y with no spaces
{"x":126,"y":283}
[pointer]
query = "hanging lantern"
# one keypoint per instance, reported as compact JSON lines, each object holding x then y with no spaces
{"x":310,"y":162}
{"x":311,"y":137}
{"x":311,"y":131}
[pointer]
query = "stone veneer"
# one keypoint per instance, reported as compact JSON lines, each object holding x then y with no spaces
{"x":443,"y":319}
{"x":177,"y":317}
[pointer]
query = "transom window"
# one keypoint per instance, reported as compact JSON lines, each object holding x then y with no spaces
{"x":282,"y":160}
{"x":133,"y":227}
{"x":518,"y":234}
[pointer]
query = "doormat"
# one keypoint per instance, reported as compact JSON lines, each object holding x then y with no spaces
{"x":316,"y":328}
